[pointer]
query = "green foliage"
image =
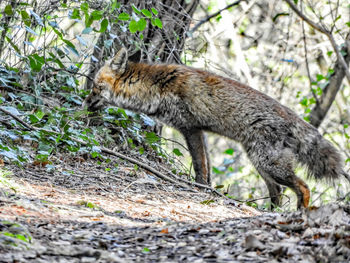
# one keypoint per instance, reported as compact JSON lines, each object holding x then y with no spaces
{"x":177,"y":152}
{"x":87,"y":204}
{"x":17,"y":235}
{"x":4,"y":179}
{"x":43,"y":83}
{"x":146,"y":250}
{"x":207,"y":202}
{"x":317,"y":86}
{"x":139,"y":19}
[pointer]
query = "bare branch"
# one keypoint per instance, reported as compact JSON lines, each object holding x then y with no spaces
{"x":212,"y":16}
{"x":324,"y":31}
{"x":306,"y":57}
{"x":306,"y":19}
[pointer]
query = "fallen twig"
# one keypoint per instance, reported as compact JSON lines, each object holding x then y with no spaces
{"x":17,"y":119}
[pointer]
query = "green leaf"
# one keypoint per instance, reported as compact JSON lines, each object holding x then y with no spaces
{"x":25,"y":18}
{"x":36,"y":62}
{"x":141,"y":24}
{"x":207,"y":202}
{"x":177,"y":152}
{"x":145,"y":250}
{"x":146,"y":13}
{"x":96,"y":15}
{"x":58,"y":33}
{"x":154,"y":11}
{"x":151,"y":137}
{"x":71,"y":46}
{"x":75,"y":14}
{"x":158,"y":23}
{"x":33,"y":119}
{"x":136,"y":10}
{"x":133,"y":26}
{"x":348,"y":24}
{"x":39,"y":114}
{"x":217,"y":171}
{"x":13,"y":45}
{"x":136,"y":167}
{"x":319,"y":77}
{"x":17,"y":236}
{"x":84,"y":7}
{"x":229,"y":151}
{"x":8,"y":10}
{"x":304,"y":101}
{"x":338,"y":17}
{"x":104,"y":25}
{"x":90,"y":205}
{"x":124,"y":16}
{"x":115,"y":5}
{"x":219,"y":186}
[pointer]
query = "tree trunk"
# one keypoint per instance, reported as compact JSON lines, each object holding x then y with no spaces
{"x":318,"y":113}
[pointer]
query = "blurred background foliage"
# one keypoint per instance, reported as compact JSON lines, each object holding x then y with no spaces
{"x":50,"y":51}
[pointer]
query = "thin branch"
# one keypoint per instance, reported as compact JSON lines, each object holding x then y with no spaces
{"x":319,"y":196}
{"x":72,"y":72}
{"x":306,"y":19}
{"x":16,"y":118}
{"x":325,"y":32}
{"x":306,"y":58}
{"x":212,"y":16}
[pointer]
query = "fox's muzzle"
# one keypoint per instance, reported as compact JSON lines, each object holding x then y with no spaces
{"x":93,"y":102}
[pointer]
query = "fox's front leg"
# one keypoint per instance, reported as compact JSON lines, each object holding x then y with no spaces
{"x":197,"y":145}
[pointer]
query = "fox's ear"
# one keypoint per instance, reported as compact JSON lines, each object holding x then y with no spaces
{"x":120,"y":60}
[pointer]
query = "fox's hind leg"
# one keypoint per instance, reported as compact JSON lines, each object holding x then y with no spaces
{"x":275,"y":190}
{"x":277,"y":165}
{"x":197,"y":145}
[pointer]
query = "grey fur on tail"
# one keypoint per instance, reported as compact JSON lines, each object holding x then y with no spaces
{"x":322,"y":159}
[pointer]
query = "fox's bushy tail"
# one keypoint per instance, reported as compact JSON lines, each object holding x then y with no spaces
{"x":322,"y":159}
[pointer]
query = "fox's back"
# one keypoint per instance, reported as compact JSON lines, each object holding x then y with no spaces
{"x":228,"y":105}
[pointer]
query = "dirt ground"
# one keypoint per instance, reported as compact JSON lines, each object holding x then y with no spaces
{"x":84,"y":212}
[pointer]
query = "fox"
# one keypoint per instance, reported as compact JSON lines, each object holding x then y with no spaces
{"x":195,"y":101}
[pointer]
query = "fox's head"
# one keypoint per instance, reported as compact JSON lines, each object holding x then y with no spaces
{"x":105,"y":86}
